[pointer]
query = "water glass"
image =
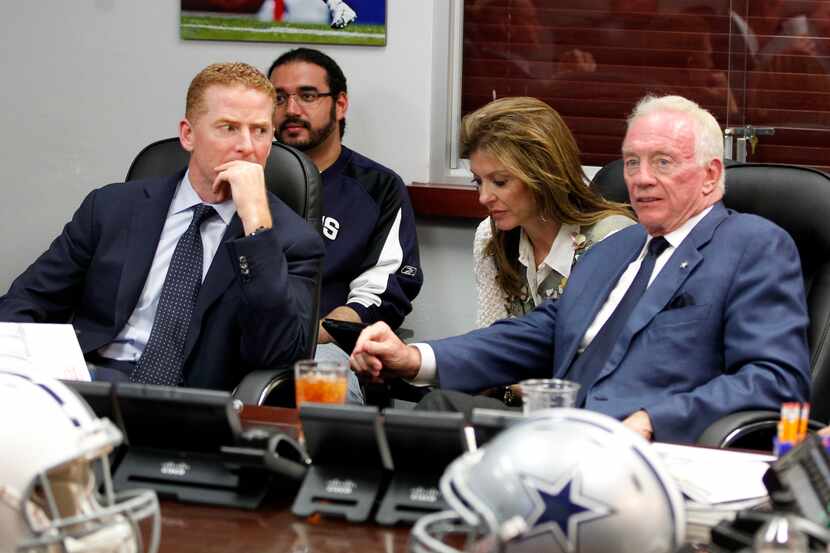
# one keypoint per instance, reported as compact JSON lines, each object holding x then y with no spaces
{"x":544,"y":393}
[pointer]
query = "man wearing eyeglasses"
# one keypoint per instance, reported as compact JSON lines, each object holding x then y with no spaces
{"x":371,"y":270}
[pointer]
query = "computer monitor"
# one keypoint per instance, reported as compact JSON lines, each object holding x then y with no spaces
{"x":182,"y":419}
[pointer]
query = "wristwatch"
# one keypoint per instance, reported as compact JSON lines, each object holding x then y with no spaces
{"x":510,"y":399}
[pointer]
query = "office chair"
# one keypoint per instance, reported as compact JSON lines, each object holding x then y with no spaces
{"x":292,"y":177}
{"x":798,"y":200}
{"x":609,"y":182}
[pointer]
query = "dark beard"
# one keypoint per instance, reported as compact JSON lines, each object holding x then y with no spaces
{"x":315,"y":136}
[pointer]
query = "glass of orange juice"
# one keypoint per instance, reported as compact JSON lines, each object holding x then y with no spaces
{"x":321,"y":381}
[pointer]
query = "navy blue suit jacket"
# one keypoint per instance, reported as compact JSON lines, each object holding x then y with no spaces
{"x":721,"y":329}
{"x":92,"y":276}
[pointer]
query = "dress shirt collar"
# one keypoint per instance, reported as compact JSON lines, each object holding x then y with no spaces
{"x":676,"y":237}
{"x":186,"y":197}
{"x":561,"y":255}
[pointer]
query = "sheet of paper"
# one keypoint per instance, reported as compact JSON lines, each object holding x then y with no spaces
{"x":709,"y":476}
{"x":42,"y":349}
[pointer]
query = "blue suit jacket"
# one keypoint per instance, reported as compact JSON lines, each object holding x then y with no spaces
{"x":92,"y":276}
{"x":722,"y":328}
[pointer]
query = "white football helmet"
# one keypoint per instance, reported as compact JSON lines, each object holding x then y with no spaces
{"x":565,"y":480}
{"x":50,"y":444}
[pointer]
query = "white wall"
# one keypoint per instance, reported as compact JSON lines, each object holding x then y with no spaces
{"x":87,"y":83}
{"x":446,"y":304}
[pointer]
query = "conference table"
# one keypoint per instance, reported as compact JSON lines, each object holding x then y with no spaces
{"x":188,"y":528}
{"x":272,"y":528}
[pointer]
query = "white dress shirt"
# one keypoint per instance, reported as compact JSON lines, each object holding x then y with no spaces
{"x":427,"y":372}
{"x":130,"y":341}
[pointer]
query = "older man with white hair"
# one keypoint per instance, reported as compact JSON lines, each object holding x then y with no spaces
{"x":695,"y":313}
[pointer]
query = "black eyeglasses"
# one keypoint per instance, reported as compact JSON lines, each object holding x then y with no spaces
{"x":306,"y":96}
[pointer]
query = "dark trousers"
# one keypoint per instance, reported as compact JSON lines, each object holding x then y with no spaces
{"x":459,"y":402}
{"x":110,"y":370}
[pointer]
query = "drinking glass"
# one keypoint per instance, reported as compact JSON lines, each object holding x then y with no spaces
{"x":321,"y":381}
{"x":544,"y":393}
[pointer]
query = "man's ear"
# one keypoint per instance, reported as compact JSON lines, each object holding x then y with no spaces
{"x":714,"y":170}
{"x":186,"y":134}
{"x":341,"y":106}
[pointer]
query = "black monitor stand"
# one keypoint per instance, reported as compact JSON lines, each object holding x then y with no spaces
{"x":194,"y":477}
{"x":187,"y":444}
{"x":347,"y":470}
{"x":421,"y":445}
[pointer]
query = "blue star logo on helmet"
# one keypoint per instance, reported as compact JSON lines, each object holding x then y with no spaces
{"x":559,"y":508}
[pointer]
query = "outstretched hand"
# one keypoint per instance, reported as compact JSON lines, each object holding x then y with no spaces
{"x":379,"y":353}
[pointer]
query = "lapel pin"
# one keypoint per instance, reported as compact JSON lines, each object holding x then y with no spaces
{"x":684,"y":264}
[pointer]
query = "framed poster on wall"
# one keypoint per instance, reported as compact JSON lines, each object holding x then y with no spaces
{"x":361,"y":22}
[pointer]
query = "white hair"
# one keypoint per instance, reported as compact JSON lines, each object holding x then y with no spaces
{"x":708,"y":134}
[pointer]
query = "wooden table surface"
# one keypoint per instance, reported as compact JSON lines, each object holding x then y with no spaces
{"x":198,"y":529}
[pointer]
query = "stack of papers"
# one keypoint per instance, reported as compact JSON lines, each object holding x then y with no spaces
{"x":717,"y":483}
{"x":48,"y":350}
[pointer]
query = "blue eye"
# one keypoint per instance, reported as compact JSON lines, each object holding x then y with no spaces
{"x":663,"y":164}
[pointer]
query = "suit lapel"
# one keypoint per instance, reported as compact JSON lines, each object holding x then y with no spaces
{"x":586,"y":301}
{"x":143,"y":233}
{"x":670,"y":279}
{"x":220,"y":275}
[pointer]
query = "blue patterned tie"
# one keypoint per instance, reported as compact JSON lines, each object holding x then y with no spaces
{"x":586,"y":368}
{"x":162,"y":359}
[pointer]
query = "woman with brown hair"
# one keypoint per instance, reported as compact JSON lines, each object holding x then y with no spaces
{"x":543,"y":216}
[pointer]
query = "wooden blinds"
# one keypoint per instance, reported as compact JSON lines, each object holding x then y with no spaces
{"x":756,"y":62}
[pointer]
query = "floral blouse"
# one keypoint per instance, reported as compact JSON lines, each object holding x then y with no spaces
{"x":542,"y":282}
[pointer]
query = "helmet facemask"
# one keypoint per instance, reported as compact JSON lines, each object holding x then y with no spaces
{"x":65,"y":512}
